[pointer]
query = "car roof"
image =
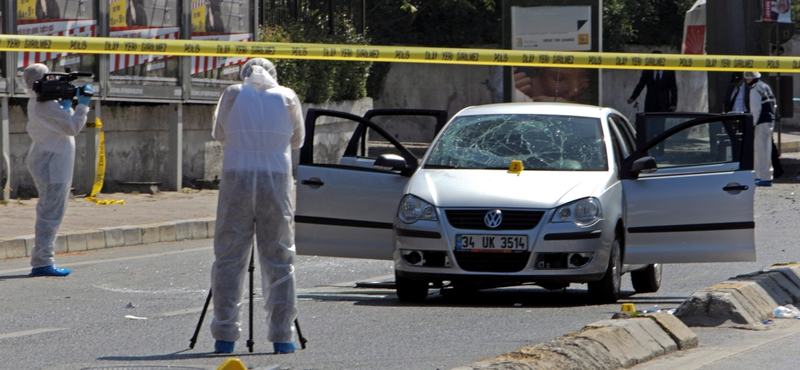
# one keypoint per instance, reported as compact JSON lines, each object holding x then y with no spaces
{"x":561,"y":109}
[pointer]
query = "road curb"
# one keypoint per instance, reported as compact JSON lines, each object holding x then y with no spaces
{"x":606,"y":344}
{"x":743,"y":300}
{"x":109,"y":237}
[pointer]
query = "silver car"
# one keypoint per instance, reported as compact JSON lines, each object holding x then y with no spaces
{"x":543,"y":193}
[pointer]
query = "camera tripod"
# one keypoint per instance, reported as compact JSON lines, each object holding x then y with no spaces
{"x":250,"y":342}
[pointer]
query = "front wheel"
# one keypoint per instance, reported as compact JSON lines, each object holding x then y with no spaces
{"x":410,"y":290}
{"x":647,"y":280}
{"x":607,"y":289}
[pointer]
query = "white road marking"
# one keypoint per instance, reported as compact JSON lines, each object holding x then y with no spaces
{"x":29,"y":332}
{"x":161,"y":254}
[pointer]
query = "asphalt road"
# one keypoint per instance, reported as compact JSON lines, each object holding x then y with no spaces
{"x":138,"y":306}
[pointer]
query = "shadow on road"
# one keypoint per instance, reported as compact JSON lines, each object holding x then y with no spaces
{"x":518,"y":296}
{"x":181,"y":355}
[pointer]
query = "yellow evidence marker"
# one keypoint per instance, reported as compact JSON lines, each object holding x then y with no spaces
{"x":628,"y":307}
{"x":516,"y":167}
{"x":232,"y":364}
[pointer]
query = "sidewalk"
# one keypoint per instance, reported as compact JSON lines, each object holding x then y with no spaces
{"x":143,"y":219}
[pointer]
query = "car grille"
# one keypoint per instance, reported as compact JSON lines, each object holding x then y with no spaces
{"x":512,"y":220}
{"x":492,"y":262}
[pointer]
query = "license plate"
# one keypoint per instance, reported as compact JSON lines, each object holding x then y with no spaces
{"x":491,"y":243}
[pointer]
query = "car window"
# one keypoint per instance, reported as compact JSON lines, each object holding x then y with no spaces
{"x":703,"y":144}
{"x":541,"y":142}
{"x":624,"y":130}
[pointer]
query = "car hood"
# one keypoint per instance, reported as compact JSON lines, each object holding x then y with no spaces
{"x":498,"y":188}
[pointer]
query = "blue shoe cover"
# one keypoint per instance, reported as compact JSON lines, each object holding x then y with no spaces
{"x":763,"y":183}
{"x":222,"y":346}
{"x":284,"y":347}
{"x":49,"y":271}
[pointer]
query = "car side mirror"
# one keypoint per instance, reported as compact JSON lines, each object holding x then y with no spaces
{"x":644,"y":165}
{"x":392,"y":162}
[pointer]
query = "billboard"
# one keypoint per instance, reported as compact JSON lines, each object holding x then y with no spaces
{"x":776,"y":11}
{"x":222,"y":20}
{"x":142,"y":75}
{"x":548,"y":27}
{"x":56,"y":18}
{"x":3,"y":84}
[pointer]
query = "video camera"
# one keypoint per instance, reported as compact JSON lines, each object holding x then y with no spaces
{"x":60,"y":87}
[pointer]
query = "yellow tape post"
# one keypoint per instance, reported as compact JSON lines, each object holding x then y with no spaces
{"x":405,"y":54}
{"x":100,"y":174}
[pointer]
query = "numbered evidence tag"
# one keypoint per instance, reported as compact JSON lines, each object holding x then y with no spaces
{"x":516,"y":167}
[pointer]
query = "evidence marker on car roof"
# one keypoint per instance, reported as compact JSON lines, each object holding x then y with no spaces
{"x":516,"y":167}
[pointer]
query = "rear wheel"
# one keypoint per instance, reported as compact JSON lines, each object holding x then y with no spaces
{"x":647,"y":280}
{"x":410,"y":290}
{"x":607,"y":289}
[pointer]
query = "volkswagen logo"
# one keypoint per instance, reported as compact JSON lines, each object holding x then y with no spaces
{"x":493,"y":218}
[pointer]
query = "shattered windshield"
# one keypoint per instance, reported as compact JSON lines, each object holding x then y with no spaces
{"x":541,"y":142}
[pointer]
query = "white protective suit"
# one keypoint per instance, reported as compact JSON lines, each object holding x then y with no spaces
{"x":51,"y":160}
{"x":762,"y":137}
{"x":259,"y":122}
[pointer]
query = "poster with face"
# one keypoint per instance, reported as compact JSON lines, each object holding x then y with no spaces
{"x":219,"y":20}
{"x":553,"y":28}
{"x":57,"y":18}
{"x":144,"y":19}
{"x":777,"y":11}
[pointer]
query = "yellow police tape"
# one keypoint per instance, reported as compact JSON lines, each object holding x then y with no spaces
{"x":100,"y":174}
{"x":372,"y":53}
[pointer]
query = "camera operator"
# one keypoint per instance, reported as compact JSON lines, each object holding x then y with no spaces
{"x":52,"y":126}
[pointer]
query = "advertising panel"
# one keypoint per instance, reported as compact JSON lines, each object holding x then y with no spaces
{"x":694,"y":29}
{"x":3,"y":83}
{"x":554,"y":28}
{"x":143,"y":75}
{"x":777,"y":11}
{"x":222,"y":20}
{"x":56,"y":18}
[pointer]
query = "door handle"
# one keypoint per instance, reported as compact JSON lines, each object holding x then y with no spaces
{"x":735,"y":187}
{"x":312,"y":182}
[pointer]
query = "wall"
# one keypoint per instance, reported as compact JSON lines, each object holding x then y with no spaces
{"x":430,"y":86}
{"x":454,"y":87}
{"x":137,"y":145}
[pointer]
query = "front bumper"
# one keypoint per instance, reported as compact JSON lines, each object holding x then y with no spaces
{"x":546,"y":260}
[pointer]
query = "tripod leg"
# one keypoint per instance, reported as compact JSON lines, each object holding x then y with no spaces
{"x":251,"y":269}
{"x":200,"y":323}
{"x":300,"y":335}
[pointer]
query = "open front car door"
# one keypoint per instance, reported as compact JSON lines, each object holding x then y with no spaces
{"x":689,"y":190}
{"x":347,"y":197}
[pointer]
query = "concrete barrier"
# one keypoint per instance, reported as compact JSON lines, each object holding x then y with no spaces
{"x":603,"y":345}
{"x":109,"y":237}
{"x":746,"y":300}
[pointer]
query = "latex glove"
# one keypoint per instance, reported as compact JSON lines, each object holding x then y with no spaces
{"x":66,"y":105}
{"x":82,"y":94}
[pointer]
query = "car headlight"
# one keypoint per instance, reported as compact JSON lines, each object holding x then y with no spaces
{"x":582,"y":213}
{"x":413,"y":209}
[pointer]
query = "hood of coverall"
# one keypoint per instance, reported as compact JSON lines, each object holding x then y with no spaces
{"x":33,"y":73}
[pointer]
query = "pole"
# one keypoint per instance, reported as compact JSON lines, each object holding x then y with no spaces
{"x":777,"y":87}
{"x":251,"y":269}
{"x":5,"y":150}
{"x":200,"y":323}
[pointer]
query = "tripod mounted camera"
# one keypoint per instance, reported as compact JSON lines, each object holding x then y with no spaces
{"x":59,"y":88}
{"x":250,"y":342}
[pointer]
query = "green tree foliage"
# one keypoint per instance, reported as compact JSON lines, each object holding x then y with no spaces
{"x":317,"y":81}
{"x":652,"y":22}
